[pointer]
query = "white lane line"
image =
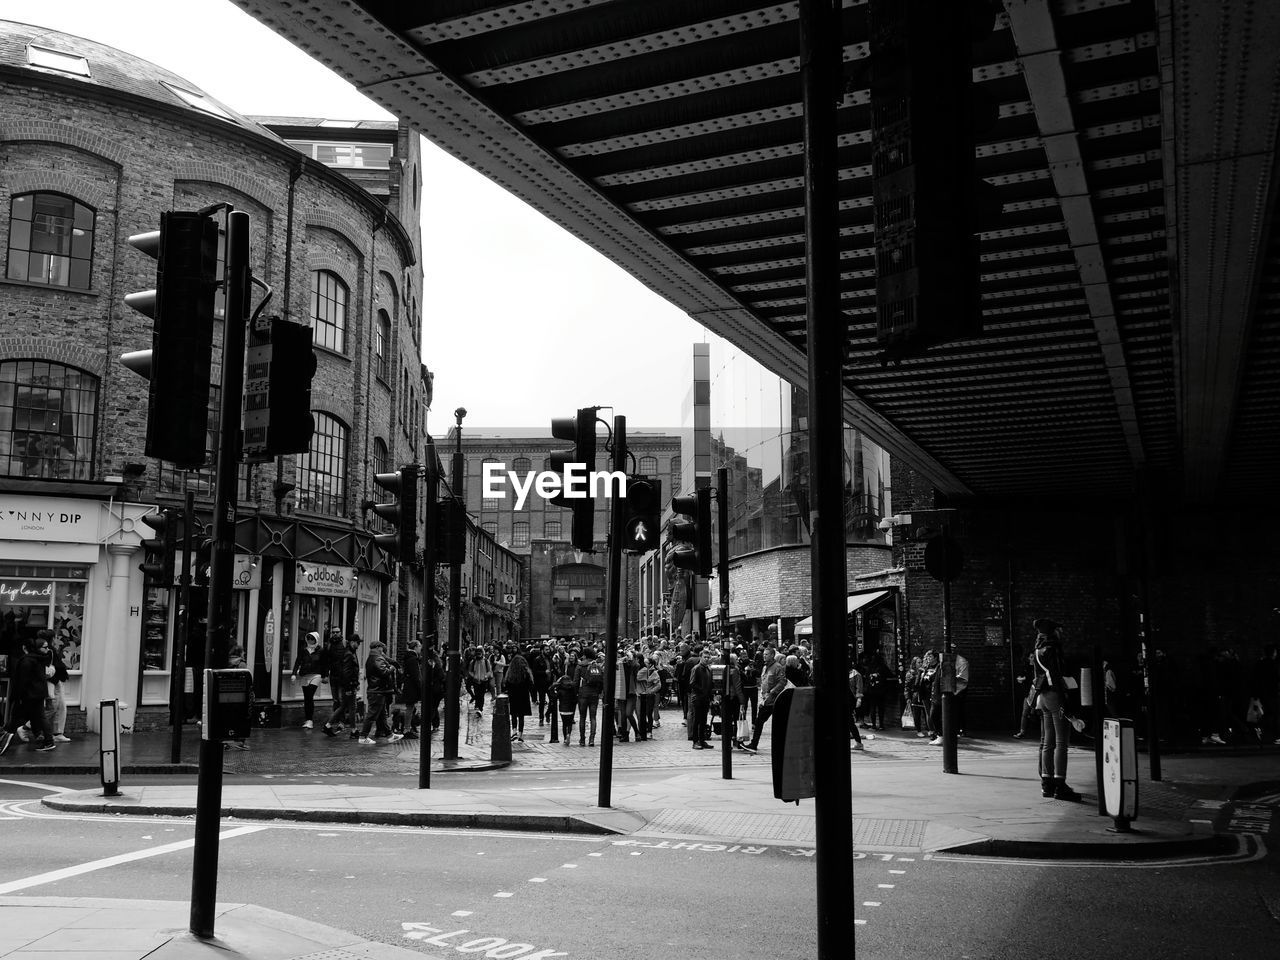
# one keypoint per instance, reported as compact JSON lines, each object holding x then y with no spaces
{"x":54,"y":875}
{"x":537,"y":879}
{"x":39,"y":786}
{"x":885,"y":886}
{"x":461,"y":913}
{"x":860,"y":923}
{"x":898,"y":871}
{"x":568,"y":866}
{"x":871,"y":903}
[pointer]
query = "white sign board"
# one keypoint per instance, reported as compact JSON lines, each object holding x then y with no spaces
{"x":48,"y":519}
{"x":1119,"y":769}
{"x":324,"y":580}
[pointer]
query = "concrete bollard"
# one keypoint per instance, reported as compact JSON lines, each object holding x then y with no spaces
{"x":500,"y":736}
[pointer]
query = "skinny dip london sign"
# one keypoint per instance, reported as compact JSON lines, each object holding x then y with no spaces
{"x":50,"y":519}
{"x":23,"y":593}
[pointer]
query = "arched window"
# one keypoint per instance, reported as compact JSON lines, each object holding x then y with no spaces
{"x":329,"y":310}
{"x":551,"y":530}
{"x":648,"y":466}
{"x":48,"y":420}
{"x":521,"y":466}
{"x":381,"y":456}
{"x":50,"y":240}
{"x":382,"y":348}
{"x":322,"y":470}
{"x":490,"y":527}
{"x":520,"y":533}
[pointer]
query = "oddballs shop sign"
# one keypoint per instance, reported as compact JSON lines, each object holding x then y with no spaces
{"x":48,"y":519}
{"x":324,"y":580}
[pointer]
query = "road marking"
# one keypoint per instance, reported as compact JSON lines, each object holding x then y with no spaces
{"x":871,"y":903}
{"x":537,"y":879}
{"x":569,"y":866}
{"x":39,"y":786}
{"x":498,"y":948}
{"x":461,"y":913}
{"x":885,"y":886}
{"x":66,"y":872}
{"x":504,"y":894}
{"x":898,"y":871}
{"x":595,"y":854}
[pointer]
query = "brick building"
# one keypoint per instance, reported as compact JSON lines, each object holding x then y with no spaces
{"x":94,"y":145}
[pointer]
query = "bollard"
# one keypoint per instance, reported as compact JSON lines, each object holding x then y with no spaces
{"x":109,"y":746}
{"x":500,"y":736}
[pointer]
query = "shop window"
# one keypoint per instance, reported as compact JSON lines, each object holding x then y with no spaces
{"x":382,"y":347}
{"x":50,"y":240}
{"x":42,"y":597}
{"x":329,"y":310}
{"x":48,"y":420}
{"x":322,"y":470}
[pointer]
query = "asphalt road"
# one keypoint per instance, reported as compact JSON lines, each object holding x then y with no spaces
{"x":459,"y":893}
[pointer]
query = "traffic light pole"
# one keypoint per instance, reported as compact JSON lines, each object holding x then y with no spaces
{"x":177,"y":687}
{"x":611,"y":618}
{"x":453,"y":676}
{"x":204,"y":870}
{"x":722,"y":575}
{"x":821,"y":82}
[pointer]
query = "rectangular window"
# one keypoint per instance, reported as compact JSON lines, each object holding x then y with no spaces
{"x":57,"y":60}
{"x":329,"y":310}
{"x":367,"y":156}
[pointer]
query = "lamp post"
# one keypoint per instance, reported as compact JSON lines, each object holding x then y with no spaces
{"x":453,"y":666}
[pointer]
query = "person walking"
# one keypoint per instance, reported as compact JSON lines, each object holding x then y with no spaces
{"x":701,"y":688}
{"x":750,"y":688}
{"x":519,"y":689}
{"x":480,"y":673}
{"x":626,"y":698}
{"x":589,"y":677}
{"x":58,"y":707}
{"x":344,"y":680}
{"x":308,"y":667}
{"x":31,"y":681}
{"x":772,"y":682}
{"x":1051,"y":693}
{"x":411,"y":688}
{"x":648,"y":683}
{"x":566,"y":701}
{"x":541,"y":668}
{"x":731,"y":703}
{"x":857,"y":694}
{"x":380,"y":677}
{"x":962,"y":694}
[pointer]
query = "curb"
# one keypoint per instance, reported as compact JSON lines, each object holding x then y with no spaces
{"x":77,"y":770}
{"x":1216,"y":844}
{"x":524,"y":822}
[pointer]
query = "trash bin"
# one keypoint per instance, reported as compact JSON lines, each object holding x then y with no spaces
{"x":500,"y":736}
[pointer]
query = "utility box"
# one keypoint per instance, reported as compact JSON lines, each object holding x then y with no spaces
{"x":228,"y":705}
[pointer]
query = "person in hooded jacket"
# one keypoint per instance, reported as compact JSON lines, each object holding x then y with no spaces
{"x":344,"y":676}
{"x":308,"y":668}
{"x":1051,"y":698}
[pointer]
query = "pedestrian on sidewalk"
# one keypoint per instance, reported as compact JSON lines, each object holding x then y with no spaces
{"x":1051,"y":695}
{"x":411,"y":687}
{"x":701,"y":687}
{"x":750,"y":688}
{"x":648,"y":683}
{"x":962,"y":694}
{"x":565,"y":692}
{"x":731,"y":703}
{"x":519,"y":688}
{"x":31,"y":682}
{"x":590,"y":677}
{"x":541,"y":668}
{"x":1029,"y":710}
{"x":480,"y":673}
{"x":58,"y":708}
{"x":931,"y":683}
{"x":380,"y":679}
{"x":856,"y":695}
{"x":344,"y":680}
{"x":772,"y":682}
{"x":307,"y":670}
{"x":911,"y":687}
{"x":626,"y":698}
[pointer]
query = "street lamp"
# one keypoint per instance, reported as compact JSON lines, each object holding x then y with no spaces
{"x":453,"y":675}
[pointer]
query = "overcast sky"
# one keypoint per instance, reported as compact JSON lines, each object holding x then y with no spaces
{"x":505,"y":289}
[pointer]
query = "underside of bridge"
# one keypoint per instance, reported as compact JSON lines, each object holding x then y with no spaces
{"x":1131,"y":320}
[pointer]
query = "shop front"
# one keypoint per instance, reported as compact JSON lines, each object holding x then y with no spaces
{"x":69,"y":564}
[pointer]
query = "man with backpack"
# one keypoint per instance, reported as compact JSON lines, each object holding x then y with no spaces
{"x":589,"y":677}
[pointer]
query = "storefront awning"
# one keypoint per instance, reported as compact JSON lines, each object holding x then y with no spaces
{"x":856,"y":601}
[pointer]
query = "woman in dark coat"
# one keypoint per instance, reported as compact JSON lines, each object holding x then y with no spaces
{"x":31,"y":676}
{"x":411,"y":688}
{"x":519,"y":685}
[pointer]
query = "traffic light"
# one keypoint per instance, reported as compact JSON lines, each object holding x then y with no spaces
{"x":277,"y":390}
{"x":203,"y":560}
{"x":690,"y":532}
{"x":576,"y":493}
{"x":403,"y":544}
{"x":449,"y":532}
{"x":181,"y":310}
{"x":160,"y":550}
{"x":641,"y":517}
{"x":926,"y":195}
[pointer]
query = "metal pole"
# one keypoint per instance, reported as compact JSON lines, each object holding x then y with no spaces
{"x":614,"y":552}
{"x":204,"y":869}
{"x":429,"y":627}
{"x":950,"y":759}
{"x":820,"y":77}
{"x":453,"y":665}
{"x":722,"y":575}
{"x":179,"y":658}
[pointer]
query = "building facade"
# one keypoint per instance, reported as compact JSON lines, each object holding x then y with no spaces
{"x":94,"y":145}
